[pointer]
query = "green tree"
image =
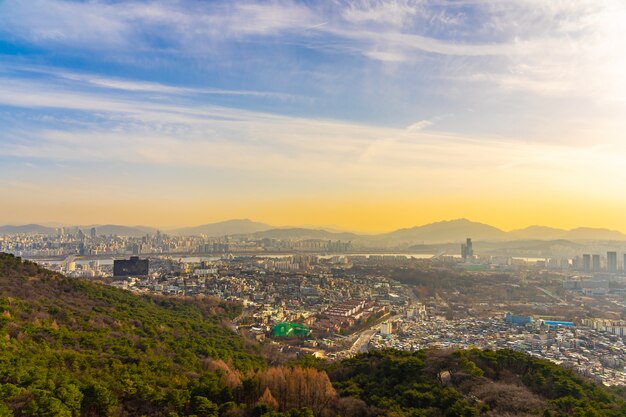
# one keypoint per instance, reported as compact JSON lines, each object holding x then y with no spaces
{"x":44,"y":404}
{"x":98,"y":401}
{"x":71,"y":396}
{"x":203,"y":407}
{"x":5,"y":411}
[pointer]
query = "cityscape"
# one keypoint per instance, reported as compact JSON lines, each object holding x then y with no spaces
{"x":300,"y":208}
{"x":325,"y":298}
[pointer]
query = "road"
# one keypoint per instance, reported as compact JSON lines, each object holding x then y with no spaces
{"x":361,"y":343}
{"x":549,"y":294}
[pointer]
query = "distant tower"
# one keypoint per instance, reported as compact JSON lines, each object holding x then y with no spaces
{"x":467,"y":251}
{"x":611,"y":261}
{"x":595,"y":263}
{"x":92,"y":233}
{"x":586,"y":262}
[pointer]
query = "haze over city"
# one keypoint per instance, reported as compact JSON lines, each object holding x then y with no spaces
{"x":366,"y":116}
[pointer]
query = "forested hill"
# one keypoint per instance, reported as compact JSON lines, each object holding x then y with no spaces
{"x":470,"y":383}
{"x":72,"y":348}
{"x":69,"y":346}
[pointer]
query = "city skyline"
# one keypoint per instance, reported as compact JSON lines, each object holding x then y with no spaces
{"x":367,"y":116}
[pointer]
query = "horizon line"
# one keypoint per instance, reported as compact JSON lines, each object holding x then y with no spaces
{"x":327,"y":228}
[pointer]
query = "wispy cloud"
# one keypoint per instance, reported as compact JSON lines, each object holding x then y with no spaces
{"x":548,"y":47}
{"x":178,"y":134}
{"x":295,"y":97}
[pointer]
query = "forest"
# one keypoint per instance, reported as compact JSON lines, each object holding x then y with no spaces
{"x":71,"y":348}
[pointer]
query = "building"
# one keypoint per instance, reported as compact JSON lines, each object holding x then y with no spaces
{"x":586,"y":262}
{"x":287,"y":329}
{"x":92,"y":233}
{"x":386,"y":328}
{"x":611,"y":261}
{"x":552,"y":323}
{"x":130,"y":267}
{"x":595,"y":263}
{"x":467,"y":250}
{"x":517,"y":319}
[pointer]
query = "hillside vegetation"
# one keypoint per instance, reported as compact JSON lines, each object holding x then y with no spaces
{"x":77,"y":347}
{"x":471,"y":383}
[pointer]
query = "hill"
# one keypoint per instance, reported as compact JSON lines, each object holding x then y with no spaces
{"x":581,"y":233}
{"x":117,"y":230}
{"x":444,"y":232}
{"x":304,"y":233}
{"x":27,"y":229}
{"x":229,"y":227}
{"x":470,"y":383}
{"x":71,"y":347}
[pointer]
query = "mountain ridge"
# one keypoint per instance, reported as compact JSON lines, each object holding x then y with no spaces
{"x":445,"y":231}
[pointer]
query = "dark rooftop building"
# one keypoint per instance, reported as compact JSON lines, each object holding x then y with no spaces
{"x":130,"y":267}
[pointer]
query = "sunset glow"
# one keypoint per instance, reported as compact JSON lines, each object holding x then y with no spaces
{"x":366,"y":116}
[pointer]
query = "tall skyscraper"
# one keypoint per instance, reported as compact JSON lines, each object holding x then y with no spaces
{"x":467,"y":251}
{"x":611,"y":261}
{"x":92,"y":233}
{"x":586,"y":262}
{"x":595,"y":263}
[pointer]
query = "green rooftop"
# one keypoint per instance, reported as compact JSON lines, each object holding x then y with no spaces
{"x":287,"y":329}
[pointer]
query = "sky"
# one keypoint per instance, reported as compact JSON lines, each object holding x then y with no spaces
{"x":357,"y":115}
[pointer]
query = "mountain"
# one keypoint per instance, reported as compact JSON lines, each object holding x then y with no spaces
{"x":581,"y":233}
{"x":445,"y":231}
{"x":459,"y":230}
{"x":27,"y":229}
{"x":452,"y":231}
{"x":229,"y":227}
{"x":114,"y":229}
{"x":303,"y":233}
{"x":589,"y":233}
{"x":539,"y":232}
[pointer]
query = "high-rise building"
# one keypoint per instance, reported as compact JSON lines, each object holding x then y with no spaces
{"x":467,"y":250}
{"x":611,"y":261}
{"x":92,"y":232}
{"x":595,"y":263}
{"x":586,"y":262}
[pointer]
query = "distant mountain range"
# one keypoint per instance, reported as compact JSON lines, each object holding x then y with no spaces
{"x":27,"y":228}
{"x":446,"y":231}
{"x":304,"y":233}
{"x":228,"y":227}
{"x":433,"y":233}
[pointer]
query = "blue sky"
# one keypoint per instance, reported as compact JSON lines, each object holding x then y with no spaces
{"x":280,"y":103}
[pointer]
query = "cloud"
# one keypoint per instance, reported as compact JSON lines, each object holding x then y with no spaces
{"x":527,"y":45}
{"x":417,"y":126}
{"x":275,"y":149}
